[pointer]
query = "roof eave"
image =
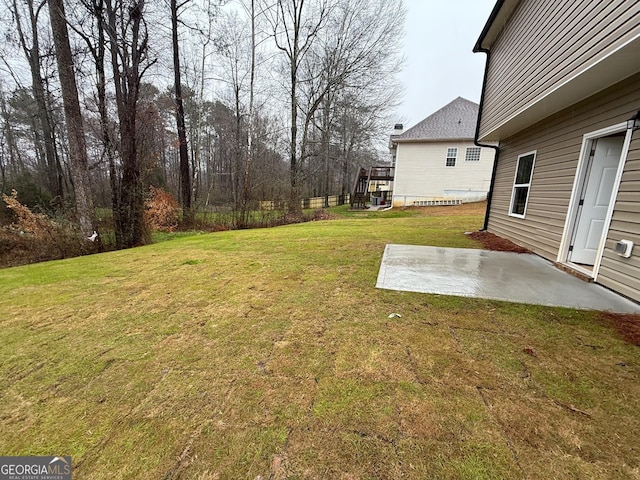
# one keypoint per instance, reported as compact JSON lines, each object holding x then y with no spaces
{"x":423,"y":140}
{"x":618,"y":65}
{"x":498,"y":18}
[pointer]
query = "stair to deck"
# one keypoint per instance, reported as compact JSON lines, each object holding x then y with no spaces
{"x":360,"y":193}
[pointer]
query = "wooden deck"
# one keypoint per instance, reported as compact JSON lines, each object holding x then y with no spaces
{"x":360,"y":194}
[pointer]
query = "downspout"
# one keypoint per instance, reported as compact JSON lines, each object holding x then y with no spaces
{"x":475,"y":138}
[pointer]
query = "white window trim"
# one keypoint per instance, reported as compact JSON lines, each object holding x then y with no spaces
{"x":455,"y":158}
{"x":528,"y":185}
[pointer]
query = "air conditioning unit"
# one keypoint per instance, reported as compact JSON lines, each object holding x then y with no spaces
{"x":623,"y":248}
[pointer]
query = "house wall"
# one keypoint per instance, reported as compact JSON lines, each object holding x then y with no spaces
{"x":618,"y":273}
{"x":558,"y":140}
{"x":421,"y":173}
{"x":545,"y":43}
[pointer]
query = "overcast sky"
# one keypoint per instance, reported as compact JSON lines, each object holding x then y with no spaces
{"x":440,"y":65}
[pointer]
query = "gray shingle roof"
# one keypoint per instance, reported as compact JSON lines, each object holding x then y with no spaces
{"x":456,"y":120}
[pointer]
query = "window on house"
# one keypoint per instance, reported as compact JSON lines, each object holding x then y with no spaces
{"x":521,"y":184}
{"x":452,"y":153}
{"x":472,"y":154}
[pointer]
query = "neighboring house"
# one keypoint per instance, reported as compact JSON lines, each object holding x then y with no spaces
{"x":562,"y":82}
{"x":437,"y":162}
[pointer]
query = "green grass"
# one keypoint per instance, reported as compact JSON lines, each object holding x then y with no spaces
{"x":270,"y":352}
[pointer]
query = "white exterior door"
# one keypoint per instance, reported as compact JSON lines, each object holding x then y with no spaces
{"x":598,"y":187}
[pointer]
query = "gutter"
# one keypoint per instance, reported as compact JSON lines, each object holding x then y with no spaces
{"x":478,"y":48}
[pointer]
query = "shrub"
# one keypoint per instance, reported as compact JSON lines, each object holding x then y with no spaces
{"x":34,"y":237}
{"x":27,"y":222}
{"x":162,"y":211}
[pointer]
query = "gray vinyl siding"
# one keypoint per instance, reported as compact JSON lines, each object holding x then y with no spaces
{"x":558,"y":140}
{"x":546,"y":42}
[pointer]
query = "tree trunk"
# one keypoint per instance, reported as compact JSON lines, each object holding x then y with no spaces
{"x":326,"y":145}
{"x":295,"y":206}
{"x":125,"y":60}
{"x":248,"y":165}
{"x":107,"y":140}
{"x":238,"y":155}
{"x":185,"y":175}
{"x":73,"y":116}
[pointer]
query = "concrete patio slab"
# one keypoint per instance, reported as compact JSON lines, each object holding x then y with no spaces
{"x":512,"y":277}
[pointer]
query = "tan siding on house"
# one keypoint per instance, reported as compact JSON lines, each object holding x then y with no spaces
{"x":558,"y":141}
{"x":618,"y":273}
{"x":547,"y":42}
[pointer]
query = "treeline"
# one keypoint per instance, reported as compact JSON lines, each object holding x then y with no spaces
{"x":220,"y":104}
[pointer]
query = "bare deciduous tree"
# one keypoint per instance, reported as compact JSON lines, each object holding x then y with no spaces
{"x":331,"y":47}
{"x":336,"y":60}
{"x":128,"y":41}
{"x":354,"y":59}
{"x":29,"y":38}
{"x":296,"y":25}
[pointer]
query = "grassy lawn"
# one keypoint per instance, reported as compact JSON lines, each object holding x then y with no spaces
{"x":269,"y":353}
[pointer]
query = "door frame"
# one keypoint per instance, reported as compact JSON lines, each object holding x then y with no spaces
{"x":578,"y":185}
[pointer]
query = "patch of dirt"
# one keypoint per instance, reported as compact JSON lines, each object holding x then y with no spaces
{"x":493,"y":242}
{"x":627,"y":325}
{"x":321,"y":214}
